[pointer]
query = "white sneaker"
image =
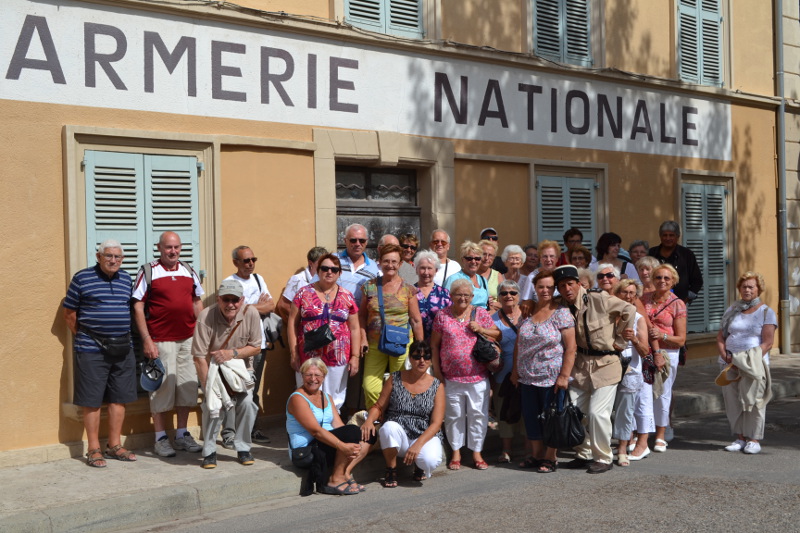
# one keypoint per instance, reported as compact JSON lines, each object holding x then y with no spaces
{"x":752,"y":447}
{"x":163,"y":448}
{"x":187,"y":443}
{"x":735,"y":446}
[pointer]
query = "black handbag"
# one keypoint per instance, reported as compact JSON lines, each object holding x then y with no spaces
{"x":303,"y":457}
{"x":319,"y":337}
{"x":562,"y":429}
{"x":117,"y":347}
{"x":486,"y":350}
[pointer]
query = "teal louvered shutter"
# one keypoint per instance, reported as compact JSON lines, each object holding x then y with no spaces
{"x":172,"y":202}
{"x":576,"y":41}
{"x":114,"y":204}
{"x":562,"y":31}
{"x":563,"y":203}
{"x":700,"y":42}
{"x":405,"y":18}
{"x":547,"y":29}
{"x":688,"y":35}
{"x":367,"y":14}
{"x":710,"y":43}
{"x":703,"y":208}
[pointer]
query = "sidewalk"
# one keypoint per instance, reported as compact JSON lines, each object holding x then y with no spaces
{"x":67,"y":495}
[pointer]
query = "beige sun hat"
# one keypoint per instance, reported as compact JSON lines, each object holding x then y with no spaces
{"x":725,"y":378}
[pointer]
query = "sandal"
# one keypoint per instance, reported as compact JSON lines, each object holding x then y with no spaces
{"x":623,"y":460}
{"x":547,"y":466}
{"x":454,"y":465}
{"x":95,"y":458}
{"x":390,"y":478}
{"x":119,"y":453}
{"x":504,"y":458}
{"x":342,"y":489}
{"x":419,"y":474}
{"x":530,"y":462}
{"x":352,"y":481}
{"x":481,"y":465}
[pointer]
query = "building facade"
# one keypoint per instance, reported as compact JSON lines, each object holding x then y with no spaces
{"x":275,"y":123}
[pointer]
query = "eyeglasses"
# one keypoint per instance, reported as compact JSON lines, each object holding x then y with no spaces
{"x":506,"y":293}
{"x":248,"y":260}
{"x":608,"y":275}
{"x":113,"y":256}
{"x":359,"y":241}
{"x":230,"y":299}
{"x":492,"y":237}
{"x":439,"y":241}
{"x":471,"y":258}
{"x":408,"y":247}
{"x":461,"y":296}
{"x":418,"y":356}
{"x":326,"y":268}
{"x":665,"y":278}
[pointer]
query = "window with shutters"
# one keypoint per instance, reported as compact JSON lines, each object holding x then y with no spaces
{"x":562,"y":31}
{"x":564,"y":202}
{"x":704,"y":208}
{"x":395,"y":17}
{"x":134,"y":197}
{"x":700,"y":41}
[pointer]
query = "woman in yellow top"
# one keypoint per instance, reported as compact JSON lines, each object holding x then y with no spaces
{"x":401,"y":308}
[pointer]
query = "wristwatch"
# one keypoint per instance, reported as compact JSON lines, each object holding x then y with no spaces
{"x":235,"y":353}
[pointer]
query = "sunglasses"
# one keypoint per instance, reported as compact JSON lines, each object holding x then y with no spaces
{"x":230,"y":299}
{"x":418,"y":356}
{"x":249,"y":260}
{"x":471,"y":258}
{"x":408,"y":247}
{"x":667,"y":278}
{"x":506,"y":293}
{"x":325,"y":268}
{"x":359,"y":241}
{"x":492,"y":237}
{"x":608,"y":275}
{"x":437,"y":242}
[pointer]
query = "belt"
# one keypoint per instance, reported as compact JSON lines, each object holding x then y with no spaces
{"x":597,"y":353}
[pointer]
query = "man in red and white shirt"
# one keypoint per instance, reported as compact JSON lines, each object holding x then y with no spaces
{"x":165,"y":312}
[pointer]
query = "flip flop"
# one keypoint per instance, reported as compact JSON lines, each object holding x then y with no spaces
{"x":338,"y":490}
{"x":352,"y":481}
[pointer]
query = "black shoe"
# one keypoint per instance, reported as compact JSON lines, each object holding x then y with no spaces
{"x":210,"y":460}
{"x":227,"y":441}
{"x":599,"y":468}
{"x":259,"y":438}
{"x":245,"y":458}
{"x":577,"y":464}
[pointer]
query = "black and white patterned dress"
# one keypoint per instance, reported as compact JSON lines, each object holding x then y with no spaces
{"x":413,"y":413}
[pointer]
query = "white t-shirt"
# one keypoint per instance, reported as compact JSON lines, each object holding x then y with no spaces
{"x":252,"y":293}
{"x":297,"y":282}
{"x":451,"y":266}
{"x":745,"y":330}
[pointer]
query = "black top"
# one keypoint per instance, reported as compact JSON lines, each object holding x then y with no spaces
{"x":499,"y":265}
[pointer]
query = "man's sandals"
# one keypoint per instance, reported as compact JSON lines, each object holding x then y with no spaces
{"x":95,"y":458}
{"x":119,"y":453}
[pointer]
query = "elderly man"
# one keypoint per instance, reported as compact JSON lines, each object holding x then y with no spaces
{"x":300,"y":280}
{"x":490,"y":234}
{"x":440,"y":244}
{"x":257,"y":295}
{"x":97,"y":311}
{"x":690,"y":278}
{"x":357,"y":268}
{"x":597,"y":369}
{"x":227,"y":335}
{"x":406,"y":270}
{"x":166,"y":304}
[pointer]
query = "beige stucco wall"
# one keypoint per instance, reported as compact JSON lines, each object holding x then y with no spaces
{"x":752,"y":43}
{"x":501,"y":24}
{"x":638,"y":36}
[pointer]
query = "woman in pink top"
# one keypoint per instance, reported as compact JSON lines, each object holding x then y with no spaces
{"x":466,"y":380}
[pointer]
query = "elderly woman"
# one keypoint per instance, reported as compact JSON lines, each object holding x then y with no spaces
{"x":644,"y":267}
{"x":412,"y":407}
{"x":513,"y":257}
{"x":580,"y":256}
{"x":400,"y":307}
{"x":543,"y":360}
{"x":637,"y":250}
{"x":507,"y":320}
{"x":471,"y":256}
{"x":455,"y":332}
{"x":634,"y":402}
{"x":549,"y":252}
{"x":431,"y":298}
{"x":667,"y":316}
{"x":586,"y":278}
{"x":606,"y":277}
{"x":315,"y":305}
{"x":746,"y":325}
{"x":608,"y":251}
{"x":311,"y":421}
{"x":493,"y":277}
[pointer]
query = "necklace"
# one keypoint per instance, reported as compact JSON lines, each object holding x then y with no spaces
{"x":462,"y":317}
{"x":327,"y":294}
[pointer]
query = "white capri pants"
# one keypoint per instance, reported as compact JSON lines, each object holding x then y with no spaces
{"x":393,"y":435}
{"x":643,"y":412}
{"x":466,"y":414}
{"x":335,"y":384}
{"x":662,"y":403}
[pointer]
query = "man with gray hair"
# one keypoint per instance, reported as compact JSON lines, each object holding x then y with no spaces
{"x":690,"y":277}
{"x":357,"y":268}
{"x":440,"y":244}
{"x":97,"y":312}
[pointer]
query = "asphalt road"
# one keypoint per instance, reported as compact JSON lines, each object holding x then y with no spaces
{"x":694,"y":487}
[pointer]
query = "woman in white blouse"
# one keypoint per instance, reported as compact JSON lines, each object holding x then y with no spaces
{"x":746,"y":324}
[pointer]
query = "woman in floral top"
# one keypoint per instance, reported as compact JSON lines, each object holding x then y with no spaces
{"x":431,"y":297}
{"x":466,"y":380}
{"x":543,"y":360}
{"x":308,"y":313}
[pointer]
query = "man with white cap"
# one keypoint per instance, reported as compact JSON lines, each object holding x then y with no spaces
{"x":227,"y":335}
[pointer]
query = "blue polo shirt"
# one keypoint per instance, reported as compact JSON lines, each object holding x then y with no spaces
{"x":354,"y":280}
{"x":102,"y":304}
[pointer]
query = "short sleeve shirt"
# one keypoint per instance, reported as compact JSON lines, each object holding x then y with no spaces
{"x":663,"y":315}
{"x":438,"y":299}
{"x":745,"y":330}
{"x":540,"y":348}
{"x":395,"y":308}
{"x":455,"y":352}
{"x":253,"y":288}
{"x":312,"y":309}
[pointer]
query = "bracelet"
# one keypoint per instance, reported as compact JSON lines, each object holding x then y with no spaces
{"x":665,"y":337}
{"x":146,"y":336}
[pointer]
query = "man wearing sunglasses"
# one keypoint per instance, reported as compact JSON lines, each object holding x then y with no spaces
{"x":490,"y":234}
{"x":357,"y":268}
{"x":440,"y":244}
{"x":256,"y":294}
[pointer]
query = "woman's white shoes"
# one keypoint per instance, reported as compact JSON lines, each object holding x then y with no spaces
{"x":736,"y":446}
{"x":661,"y":446}
{"x":752,"y":447}
{"x":645,"y":453}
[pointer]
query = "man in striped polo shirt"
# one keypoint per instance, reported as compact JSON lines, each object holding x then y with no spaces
{"x":97,"y":309}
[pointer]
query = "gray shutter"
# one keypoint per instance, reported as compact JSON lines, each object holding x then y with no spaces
{"x":367,"y":14}
{"x":710,"y":43}
{"x":577,"y":44}
{"x":547,"y":29}
{"x":562,"y":31}
{"x":688,"y":35}
{"x":704,"y":234}
{"x":565,"y":202}
{"x":405,"y":18}
{"x":114,"y":204}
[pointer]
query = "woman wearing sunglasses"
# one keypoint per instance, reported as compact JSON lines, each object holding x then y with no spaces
{"x":471,"y":257}
{"x":315,"y":305}
{"x":411,"y":406}
{"x":606,"y":277}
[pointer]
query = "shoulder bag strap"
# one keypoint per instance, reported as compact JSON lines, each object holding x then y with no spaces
{"x":508,"y":320}
{"x":379,"y":283}
{"x":665,"y":306}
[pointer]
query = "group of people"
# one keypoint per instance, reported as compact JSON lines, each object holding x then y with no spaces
{"x":604,"y":332}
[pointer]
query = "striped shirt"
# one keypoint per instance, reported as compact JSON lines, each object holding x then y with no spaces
{"x":102,"y":305}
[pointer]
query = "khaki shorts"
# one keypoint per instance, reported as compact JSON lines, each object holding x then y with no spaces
{"x":179,"y":388}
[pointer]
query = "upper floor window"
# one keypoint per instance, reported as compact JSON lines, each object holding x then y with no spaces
{"x":700,"y":41}
{"x":395,"y":17}
{"x":562,"y":31}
